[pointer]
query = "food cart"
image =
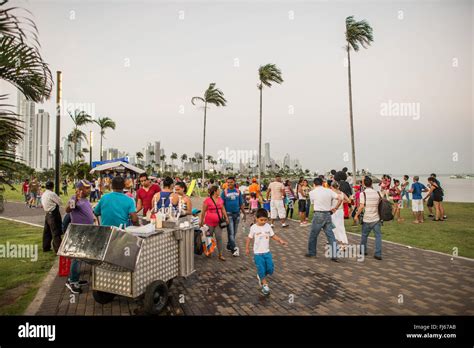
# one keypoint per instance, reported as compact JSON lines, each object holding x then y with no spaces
{"x":138,"y":263}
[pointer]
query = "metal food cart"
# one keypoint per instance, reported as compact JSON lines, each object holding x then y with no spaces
{"x":133,"y":266}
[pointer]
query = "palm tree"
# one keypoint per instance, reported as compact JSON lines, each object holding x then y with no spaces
{"x":139,"y":155}
{"x":173,"y":157}
{"x":74,"y":137}
{"x":214,"y":96}
{"x":357,"y":33}
{"x":22,"y":66}
{"x":184,"y":157}
{"x":79,"y":118}
{"x":162,"y":160}
{"x":267,"y":75}
{"x":104,"y":123}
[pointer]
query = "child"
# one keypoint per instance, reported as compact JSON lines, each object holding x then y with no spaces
{"x":253,"y":203}
{"x":357,"y":190}
{"x":261,"y":232}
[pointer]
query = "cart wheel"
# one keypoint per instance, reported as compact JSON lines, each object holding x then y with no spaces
{"x":156,"y":297}
{"x":169,"y":283}
{"x":103,"y":297}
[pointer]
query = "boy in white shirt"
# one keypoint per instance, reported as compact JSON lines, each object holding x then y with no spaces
{"x":261,"y":232}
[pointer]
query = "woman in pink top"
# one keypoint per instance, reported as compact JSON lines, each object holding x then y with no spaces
{"x":212,"y":213}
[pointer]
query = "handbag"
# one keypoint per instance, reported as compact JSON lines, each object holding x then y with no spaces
{"x":222,"y":222}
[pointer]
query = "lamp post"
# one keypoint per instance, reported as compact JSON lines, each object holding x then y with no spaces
{"x":58,"y":129}
{"x":91,"y":135}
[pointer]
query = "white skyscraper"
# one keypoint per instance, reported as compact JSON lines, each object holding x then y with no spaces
{"x":41,"y":141}
{"x":26,"y":116}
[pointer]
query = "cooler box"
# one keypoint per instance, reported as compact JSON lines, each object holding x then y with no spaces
{"x":266,"y":205}
{"x":64,"y":266}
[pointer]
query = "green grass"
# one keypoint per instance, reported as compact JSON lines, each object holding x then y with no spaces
{"x":15,"y":195}
{"x":456,"y":232}
{"x":21,"y":278}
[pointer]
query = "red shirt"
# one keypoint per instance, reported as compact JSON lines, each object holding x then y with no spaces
{"x":212,"y":217}
{"x":25,"y":187}
{"x":147,"y":196}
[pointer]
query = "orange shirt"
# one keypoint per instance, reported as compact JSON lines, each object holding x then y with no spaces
{"x":255,"y":188}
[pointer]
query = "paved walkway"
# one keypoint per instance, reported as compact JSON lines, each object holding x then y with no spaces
{"x":407,"y":281}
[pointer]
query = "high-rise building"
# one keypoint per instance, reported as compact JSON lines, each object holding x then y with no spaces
{"x":26,"y":117}
{"x":287,"y":161}
{"x":41,"y":141}
{"x":110,"y":154}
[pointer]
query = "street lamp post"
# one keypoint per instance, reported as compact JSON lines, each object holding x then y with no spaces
{"x":58,"y":129}
{"x":91,"y":134}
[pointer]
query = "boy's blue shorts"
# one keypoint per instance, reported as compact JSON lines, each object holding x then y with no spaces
{"x":264,"y":263}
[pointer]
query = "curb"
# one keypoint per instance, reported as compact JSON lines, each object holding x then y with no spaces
{"x":21,"y":222}
{"x":43,"y":290}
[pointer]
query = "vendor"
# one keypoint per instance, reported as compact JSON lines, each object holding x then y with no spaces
{"x":146,"y":193}
{"x":180,"y":197}
{"x":115,"y":208}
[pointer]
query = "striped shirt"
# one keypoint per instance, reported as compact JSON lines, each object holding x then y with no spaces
{"x":370,"y":198}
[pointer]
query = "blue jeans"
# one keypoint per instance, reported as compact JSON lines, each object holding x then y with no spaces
{"x":321,"y":220}
{"x":407,"y":195}
{"x":308,"y":206}
{"x":234,"y":219}
{"x":367,"y":227}
{"x":74,"y":272}
{"x":264,"y":263}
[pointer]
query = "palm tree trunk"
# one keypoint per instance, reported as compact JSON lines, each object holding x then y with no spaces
{"x":260,"y":140}
{"x":100,"y":149}
{"x":354,"y":173}
{"x":204,"y":144}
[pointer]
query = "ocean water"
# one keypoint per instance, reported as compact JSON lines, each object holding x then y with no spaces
{"x":455,"y":190}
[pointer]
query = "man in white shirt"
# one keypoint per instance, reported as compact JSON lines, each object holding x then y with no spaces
{"x":369,"y":199}
{"x":52,"y":223}
{"x":276,"y":190}
{"x":322,"y":198}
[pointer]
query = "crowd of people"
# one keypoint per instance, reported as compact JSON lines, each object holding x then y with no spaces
{"x":333,"y":199}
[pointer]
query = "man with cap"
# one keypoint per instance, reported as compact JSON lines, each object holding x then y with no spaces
{"x":80,"y":211}
{"x":255,"y":188}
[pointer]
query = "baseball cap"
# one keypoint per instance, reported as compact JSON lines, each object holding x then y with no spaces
{"x":83,"y":183}
{"x":195,"y":211}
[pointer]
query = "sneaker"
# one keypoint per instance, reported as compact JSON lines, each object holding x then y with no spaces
{"x":259,"y":281}
{"x":377,"y":257}
{"x":228,"y":249}
{"x":83,"y":282}
{"x":431,"y":215}
{"x":265,"y":289}
{"x":272,"y":225}
{"x":236,"y":252}
{"x":284,"y":225}
{"x":73,"y":287}
{"x":309,"y":255}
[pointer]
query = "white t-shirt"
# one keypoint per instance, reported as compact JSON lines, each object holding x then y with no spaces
{"x":261,"y":236}
{"x":371,"y":207}
{"x":322,"y":198}
{"x":276,"y":188}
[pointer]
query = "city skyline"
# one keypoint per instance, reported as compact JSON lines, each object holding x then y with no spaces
{"x":146,"y":88}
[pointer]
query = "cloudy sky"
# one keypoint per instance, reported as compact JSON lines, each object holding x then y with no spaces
{"x":141,"y":62}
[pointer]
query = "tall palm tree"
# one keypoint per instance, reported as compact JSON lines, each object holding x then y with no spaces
{"x":22,"y":66}
{"x":74,"y":137}
{"x":267,"y":75}
{"x":357,"y":33}
{"x":173,"y":157}
{"x":162,"y":160}
{"x":214,"y":96}
{"x":79,"y":118}
{"x":139,"y":155}
{"x":104,"y":123}
{"x":184,"y":157}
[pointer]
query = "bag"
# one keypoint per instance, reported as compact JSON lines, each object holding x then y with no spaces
{"x":208,"y":242}
{"x":385,"y":209}
{"x":198,"y":247}
{"x":222,"y":223}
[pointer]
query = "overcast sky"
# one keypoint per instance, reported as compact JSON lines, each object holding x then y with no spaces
{"x":140,"y":62}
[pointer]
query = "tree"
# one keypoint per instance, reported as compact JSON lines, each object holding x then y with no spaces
{"x":139,"y":155}
{"x":104,"y":123}
{"x":163,"y":161}
{"x":173,"y":157}
{"x":214,"y":96}
{"x":79,"y":118}
{"x":22,"y":66}
{"x":184,"y":157}
{"x":357,"y":33}
{"x":267,"y":75}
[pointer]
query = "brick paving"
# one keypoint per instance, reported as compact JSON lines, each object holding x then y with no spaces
{"x":407,"y":281}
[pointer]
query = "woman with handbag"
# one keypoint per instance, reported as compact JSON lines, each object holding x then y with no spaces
{"x":214,"y":216}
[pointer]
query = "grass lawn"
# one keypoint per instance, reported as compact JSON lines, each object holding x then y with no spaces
{"x":21,"y":278}
{"x":16,"y":195}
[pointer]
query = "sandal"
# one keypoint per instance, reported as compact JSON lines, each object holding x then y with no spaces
{"x":222,"y":258}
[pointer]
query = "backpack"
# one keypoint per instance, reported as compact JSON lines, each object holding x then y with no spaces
{"x":384,"y":208}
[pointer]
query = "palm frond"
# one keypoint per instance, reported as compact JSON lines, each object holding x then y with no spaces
{"x":358,"y":33}
{"x":269,"y":74}
{"x":194,"y":99}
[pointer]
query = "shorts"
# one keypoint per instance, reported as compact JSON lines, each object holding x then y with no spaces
{"x":436,"y":198}
{"x":302,"y":205}
{"x":277,"y":209}
{"x":417,"y":205}
{"x":264,"y":263}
